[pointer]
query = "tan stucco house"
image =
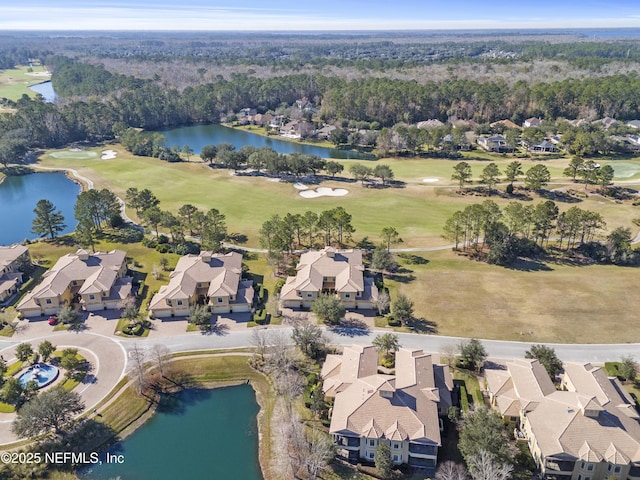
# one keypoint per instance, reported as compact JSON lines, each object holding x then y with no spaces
{"x":207,"y":279}
{"x":403,"y":409}
{"x":589,"y":430}
{"x":330,"y":271}
{"x":11,"y":260}
{"x":96,"y":281}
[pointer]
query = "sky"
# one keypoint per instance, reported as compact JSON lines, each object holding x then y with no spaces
{"x":229,"y":15}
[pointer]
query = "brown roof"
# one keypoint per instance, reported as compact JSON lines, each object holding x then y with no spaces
{"x":10,"y":254}
{"x":594,"y":420}
{"x":345,"y":265}
{"x":221,"y":272}
{"x":97,"y":272}
{"x":400,"y":407}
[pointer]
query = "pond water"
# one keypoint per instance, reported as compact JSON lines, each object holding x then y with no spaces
{"x":201,"y":434}
{"x":46,"y":90}
{"x":18,"y":198}
{"x":197,"y":136}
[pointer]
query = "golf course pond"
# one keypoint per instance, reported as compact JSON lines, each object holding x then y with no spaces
{"x":197,"y":433}
{"x":19,"y":196}
{"x":197,"y":136}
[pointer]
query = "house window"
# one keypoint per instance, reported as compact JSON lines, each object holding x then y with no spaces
{"x":371,"y":454}
{"x":358,"y":294}
{"x":92,"y":297}
{"x":396,"y":445}
{"x":309,"y":295}
{"x":372,"y":442}
{"x":580,"y":476}
{"x":219,"y":299}
{"x":347,"y":295}
{"x":48,"y":301}
{"x":590,"y":467}
{"x":617,"y":469}
{"x":179,"y":303}
{"x":397,"y":458}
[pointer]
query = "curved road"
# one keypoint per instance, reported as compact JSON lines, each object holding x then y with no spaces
{"x":107,"y":356}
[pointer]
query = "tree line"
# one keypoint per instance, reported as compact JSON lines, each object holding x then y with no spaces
{"x":329,"y":227}
{"x":526,"y":230}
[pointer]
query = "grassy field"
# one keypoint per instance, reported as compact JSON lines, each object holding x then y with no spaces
{"x":533,"y":302}
{"x":15,"y":83}
{"x":418,"y":211}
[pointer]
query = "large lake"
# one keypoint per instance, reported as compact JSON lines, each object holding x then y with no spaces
{"x":197,"y":136}
{"x":18,"y":198}
{"x":208,"y":434}
{"x":46,"y":90}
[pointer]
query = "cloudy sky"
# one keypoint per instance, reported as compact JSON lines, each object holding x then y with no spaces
{"x":315,"y":15}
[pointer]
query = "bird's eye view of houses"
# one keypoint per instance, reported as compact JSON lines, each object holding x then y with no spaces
{"x":320,"y":241}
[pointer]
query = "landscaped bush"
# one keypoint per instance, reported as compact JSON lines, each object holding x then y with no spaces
{"x":162,"y":239}
{"x":130,"y":235}
{"x":163,"y":248}
{"x":464,"y":399}
{"x":150,"y":242}
{"x":393,"y":321}
{"x":279,"y":284}
{"x":133,"y":329}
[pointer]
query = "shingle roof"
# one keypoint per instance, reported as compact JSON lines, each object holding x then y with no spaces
{"x":400,"y":407}
{"x":345,"y":265}
{"x":221,"y":272}
{"x":10,"y":254}
{"x":97,"y":271}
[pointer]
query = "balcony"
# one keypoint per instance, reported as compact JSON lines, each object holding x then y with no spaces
{"x":348,"y":442}
{"x":421,"y":449}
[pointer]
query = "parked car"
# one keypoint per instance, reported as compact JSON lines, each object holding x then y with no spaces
{"x":53,"y":319}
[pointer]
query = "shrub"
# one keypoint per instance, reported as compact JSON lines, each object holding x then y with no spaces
{"x":163,"y":248}
{"x":393,"y":321}
{"x":149,"y":242}
{"x":163,"y":239}
{"x":464,"y":399}
{"x":279,"y":284}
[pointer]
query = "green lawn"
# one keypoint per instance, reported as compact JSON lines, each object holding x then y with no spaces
{"x":15,"y":83}
{"x":417,"y":211}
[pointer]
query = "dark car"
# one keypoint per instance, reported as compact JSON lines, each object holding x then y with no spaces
{"x":53,"y":319}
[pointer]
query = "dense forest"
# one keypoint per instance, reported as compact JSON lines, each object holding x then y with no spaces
{"x":95,"y":102}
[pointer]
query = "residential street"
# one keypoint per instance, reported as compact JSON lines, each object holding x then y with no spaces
{"x":109,"y":354}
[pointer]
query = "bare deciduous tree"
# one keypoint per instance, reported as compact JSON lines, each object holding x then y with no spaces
{"x":260,"y":341}
{"x":484,"y":466}
{"x":160,"y":356}
{"x":451,"y":471}
{"x":138,"y":356}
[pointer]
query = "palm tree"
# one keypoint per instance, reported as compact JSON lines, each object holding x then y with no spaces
{"x":387,"y":344}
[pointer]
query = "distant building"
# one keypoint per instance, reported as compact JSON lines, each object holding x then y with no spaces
{"x":633,"y":123}
{"x":544,"y":147}
{"x":606,"y":122}
{"x":505,"y":123}
{"x":402,"y":409}
{"x":494,"y":143}
{"x":532,"y":122}
{"x":95,"y":281}
{"x":208,"y":279}
{"x":432,"y":123}
{"x":12,"y":259}
{"x":333,"y":272}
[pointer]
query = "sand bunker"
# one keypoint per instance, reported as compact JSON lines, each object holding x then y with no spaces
{"x":108,"y":154}
{"x":300,"y":186}
{"x":430,"y":180}
{"x":324,"y":192}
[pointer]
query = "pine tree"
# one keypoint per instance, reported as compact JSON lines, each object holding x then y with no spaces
{"x":47,"y":221}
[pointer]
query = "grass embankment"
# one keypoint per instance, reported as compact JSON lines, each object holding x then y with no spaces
{"x":16,"y":82}
{"x":129,"y":410}
{"x":418,"y":211}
